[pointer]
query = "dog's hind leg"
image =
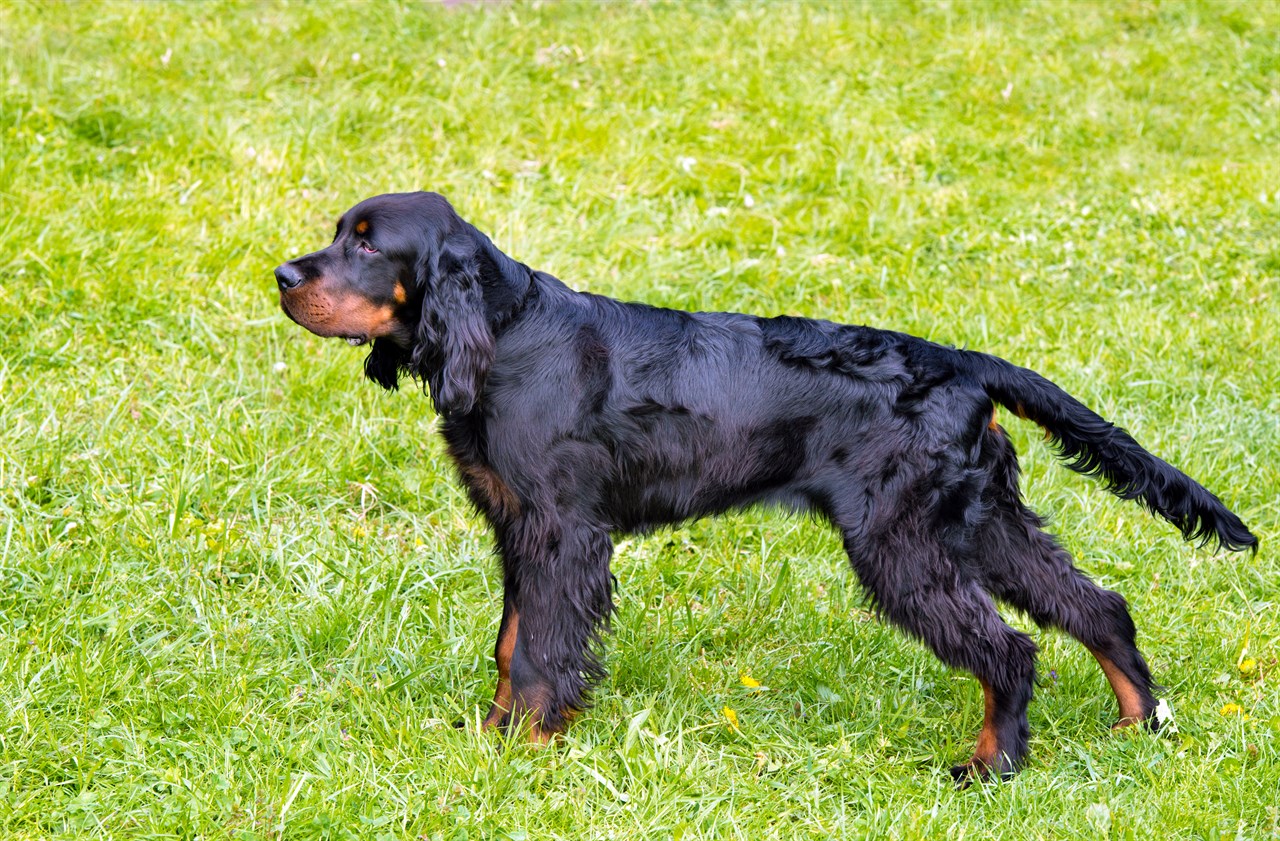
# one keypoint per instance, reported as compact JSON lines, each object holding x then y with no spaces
{"x":917,"y":587}
{"x":1025,"y":566}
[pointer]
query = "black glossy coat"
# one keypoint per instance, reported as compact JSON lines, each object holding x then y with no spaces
{"x":573,"y":417}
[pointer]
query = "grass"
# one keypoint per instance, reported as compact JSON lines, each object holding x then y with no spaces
{"x":240,"y":594}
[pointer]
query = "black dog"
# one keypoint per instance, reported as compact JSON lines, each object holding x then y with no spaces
{"x":573,"y":417}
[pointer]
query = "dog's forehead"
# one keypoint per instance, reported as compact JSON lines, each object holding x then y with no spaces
{"x":407,"y":209}
{"x":361,"y":217}
{"x":384,"y":214}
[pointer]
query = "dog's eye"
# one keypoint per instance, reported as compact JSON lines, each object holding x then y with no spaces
{"x":367,"y":248}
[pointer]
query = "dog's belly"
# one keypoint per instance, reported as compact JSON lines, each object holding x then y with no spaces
{"x":673,"y":466}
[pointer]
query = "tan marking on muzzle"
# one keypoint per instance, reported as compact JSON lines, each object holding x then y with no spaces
{"x":362,"y":316}
{"x":345,"y":315}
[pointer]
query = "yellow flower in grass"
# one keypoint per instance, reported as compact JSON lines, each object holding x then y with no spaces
{"x":1233,"y":709}
{"x":731,"y":716}
{"x":750,"y":682}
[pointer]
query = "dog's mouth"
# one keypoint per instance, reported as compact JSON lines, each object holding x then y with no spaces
{"x":353,"y":339}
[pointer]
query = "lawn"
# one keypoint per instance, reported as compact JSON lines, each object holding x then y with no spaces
{"x":241,"y":595}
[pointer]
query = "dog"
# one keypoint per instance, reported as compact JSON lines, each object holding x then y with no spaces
{"x":573,"y":417}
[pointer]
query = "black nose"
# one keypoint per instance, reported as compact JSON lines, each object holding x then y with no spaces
{"x":287,"y":276}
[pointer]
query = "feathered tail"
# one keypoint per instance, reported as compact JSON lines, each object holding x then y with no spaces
{"x":1095,"y":447}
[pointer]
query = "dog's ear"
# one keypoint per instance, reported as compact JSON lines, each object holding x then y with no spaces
{"x":384,"y":362}
{"x":454,"y":346}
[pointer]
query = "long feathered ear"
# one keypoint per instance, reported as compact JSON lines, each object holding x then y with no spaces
{"x":384,"y":362}
{"x":454,"y":346}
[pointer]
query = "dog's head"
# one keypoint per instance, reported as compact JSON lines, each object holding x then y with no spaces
{"x":427,"y":289}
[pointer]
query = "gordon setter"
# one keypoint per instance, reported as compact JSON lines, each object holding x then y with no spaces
{"x":574,"y":417}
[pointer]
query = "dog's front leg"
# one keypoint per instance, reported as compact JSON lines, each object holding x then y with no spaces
{"x":559,"y":597}
{"x":503,"y":650}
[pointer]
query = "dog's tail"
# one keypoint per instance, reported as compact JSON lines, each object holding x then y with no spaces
{"x":1095,"y":447}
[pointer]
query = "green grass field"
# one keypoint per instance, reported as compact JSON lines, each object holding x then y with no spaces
{"x":241,"y":595}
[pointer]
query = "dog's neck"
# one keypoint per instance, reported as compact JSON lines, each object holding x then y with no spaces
{"x":507,"y":284}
